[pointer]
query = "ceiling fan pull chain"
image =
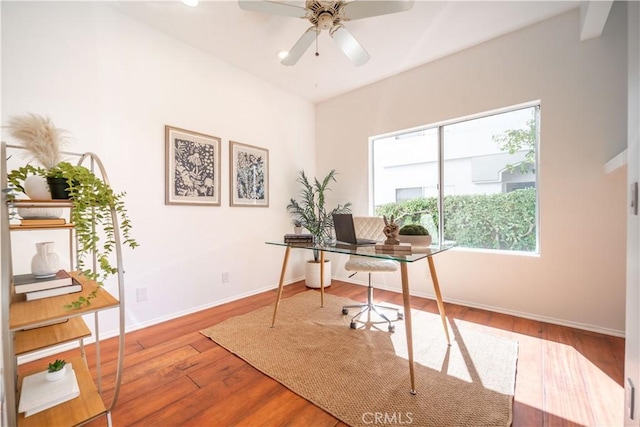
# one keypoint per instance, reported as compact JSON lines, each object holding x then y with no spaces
{"x":317,"y":37}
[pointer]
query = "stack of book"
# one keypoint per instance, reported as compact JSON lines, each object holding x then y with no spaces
{"x":37,"y":288}
{"x":39,"y":394}
{"x":298,"y":239}
{"x":399,"y":249}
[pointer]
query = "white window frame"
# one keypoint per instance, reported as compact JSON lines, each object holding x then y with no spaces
{"x":440,"y":143}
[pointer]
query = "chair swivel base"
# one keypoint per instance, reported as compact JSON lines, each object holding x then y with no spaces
{"x":373,"y":308}
{"x":370,"y":307}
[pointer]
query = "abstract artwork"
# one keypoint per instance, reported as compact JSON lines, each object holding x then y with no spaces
{"x":249,"y":175}
{"x":192,"y":168}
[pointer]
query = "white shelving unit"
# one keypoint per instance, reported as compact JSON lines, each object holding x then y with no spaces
{"x":27,"y":325}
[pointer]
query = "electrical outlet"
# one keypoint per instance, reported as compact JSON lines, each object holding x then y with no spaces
{"x":141,"y":294}
{"x":225,"y":277}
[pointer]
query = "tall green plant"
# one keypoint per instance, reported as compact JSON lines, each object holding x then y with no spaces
{"x":311,"y":209}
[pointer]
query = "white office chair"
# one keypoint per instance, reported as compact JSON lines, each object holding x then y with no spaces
{"x":370,"y":228}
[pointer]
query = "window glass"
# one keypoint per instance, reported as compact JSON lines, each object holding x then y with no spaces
{"x":488,"y":189}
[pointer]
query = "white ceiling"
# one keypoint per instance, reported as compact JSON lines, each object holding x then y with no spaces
{"x":396,"y":42}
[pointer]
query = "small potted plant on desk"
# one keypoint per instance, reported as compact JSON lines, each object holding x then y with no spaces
{"x":311,"y":212}
{"x":415,"y":234}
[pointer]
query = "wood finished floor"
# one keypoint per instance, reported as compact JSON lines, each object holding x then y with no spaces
{"x":174,"y":376}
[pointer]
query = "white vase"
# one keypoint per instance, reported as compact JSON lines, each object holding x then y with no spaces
{"x":37,"y":188}
{"x":45,"y":263}
{"x":312,"y":274}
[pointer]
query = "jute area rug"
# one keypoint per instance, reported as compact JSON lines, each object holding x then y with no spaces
{"x":361,"y":376}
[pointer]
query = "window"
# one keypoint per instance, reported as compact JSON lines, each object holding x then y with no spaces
{"x":471,"y":181}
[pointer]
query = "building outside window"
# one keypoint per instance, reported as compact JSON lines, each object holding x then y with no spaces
{"x":471,"y":181}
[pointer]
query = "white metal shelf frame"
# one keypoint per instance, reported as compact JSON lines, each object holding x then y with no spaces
{"x":9,"y":365}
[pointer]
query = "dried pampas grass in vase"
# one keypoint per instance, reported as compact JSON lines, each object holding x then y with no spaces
{"x":40,"y":137}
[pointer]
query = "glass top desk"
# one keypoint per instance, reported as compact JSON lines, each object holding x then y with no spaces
{"x":403,"y":259}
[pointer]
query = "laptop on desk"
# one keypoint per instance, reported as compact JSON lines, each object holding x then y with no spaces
{"x":346,"y":231}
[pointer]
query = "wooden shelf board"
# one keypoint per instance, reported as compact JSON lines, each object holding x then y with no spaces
{"x":27,"y":203}
{"x":44,"y":311}
{"x":16,"y":227}
{"x":73,"y":412}
{"x":46,"y":336}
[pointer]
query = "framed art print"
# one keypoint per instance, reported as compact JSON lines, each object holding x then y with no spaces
{"x":192,"y":168}
{"x":249,"y":175}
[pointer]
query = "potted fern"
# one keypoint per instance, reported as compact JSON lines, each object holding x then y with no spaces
{"x":313,"y":214}
{"x":91,"y":197}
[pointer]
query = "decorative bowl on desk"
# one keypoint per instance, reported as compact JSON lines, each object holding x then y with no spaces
{"x":415,"y":241}
{"x":39,"y":213}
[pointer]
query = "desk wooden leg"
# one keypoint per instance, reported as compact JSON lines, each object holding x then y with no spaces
{"x":281,"y":284}
{"x":436,"y":289}
{"x":321,"y":278}
{"x":406,"y":298}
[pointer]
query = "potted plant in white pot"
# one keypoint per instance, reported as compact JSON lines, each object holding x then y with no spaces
{"x":415,"y":234}
{"x":91,"y":197}
{"x":312,"y":213}
{"x":56,"y":370}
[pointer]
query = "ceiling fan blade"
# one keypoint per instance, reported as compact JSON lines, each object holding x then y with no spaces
{"x":300,"y":47}
{"x":349,"y":45}
{"x":273,"y":7}
{"x":359,"y":9}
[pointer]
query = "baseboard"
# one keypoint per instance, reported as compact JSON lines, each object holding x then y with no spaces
{"x":524,"y":315}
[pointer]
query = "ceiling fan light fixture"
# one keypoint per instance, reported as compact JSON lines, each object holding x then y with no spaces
{"x":325,"y":21}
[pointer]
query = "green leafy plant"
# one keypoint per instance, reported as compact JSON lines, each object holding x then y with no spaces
{"x":311,"y":209}
{"x":413,"y":230}
{"x":92,"y":200}
{"x":57,"y":365}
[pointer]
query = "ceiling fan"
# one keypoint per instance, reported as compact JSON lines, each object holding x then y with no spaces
{"x":328,"y":15}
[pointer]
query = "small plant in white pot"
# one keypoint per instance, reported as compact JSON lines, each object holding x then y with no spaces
{"x":311,"y":212}
{"x":56,"y":370}
{"x":415,"y":234}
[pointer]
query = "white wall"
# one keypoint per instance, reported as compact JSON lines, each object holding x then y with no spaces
{"x":114,"y":84}
{"x":579,"y":277}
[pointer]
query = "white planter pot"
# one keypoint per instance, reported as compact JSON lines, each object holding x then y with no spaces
{"x":37,"y":188}
{"x":417,"y":241}
{"x":312,"y":274}
{"x":55,"y":376}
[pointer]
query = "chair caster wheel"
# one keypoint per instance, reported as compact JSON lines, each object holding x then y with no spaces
{"x":345,"y":311}
{"x":392,"y":328}
{"x":400,"y":316}
{"x":352,"y":325}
